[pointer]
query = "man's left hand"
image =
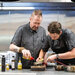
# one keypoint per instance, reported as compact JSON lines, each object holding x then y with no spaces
{"x":51,"y":58}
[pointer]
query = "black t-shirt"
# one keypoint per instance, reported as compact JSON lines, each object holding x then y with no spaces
{"x":65,"y":43}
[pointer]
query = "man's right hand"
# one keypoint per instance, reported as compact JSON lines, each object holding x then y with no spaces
{"x":26,"y":53}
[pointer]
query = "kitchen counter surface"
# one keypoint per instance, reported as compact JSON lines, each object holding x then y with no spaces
{"x":48,"y":71}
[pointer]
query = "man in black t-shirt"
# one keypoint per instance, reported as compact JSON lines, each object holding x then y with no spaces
{"x":62,"y":42}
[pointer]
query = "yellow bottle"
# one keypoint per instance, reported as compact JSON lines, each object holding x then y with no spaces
{"x":19,"y":65}
{"x":0,"y":66}
{"x":7,"y":67}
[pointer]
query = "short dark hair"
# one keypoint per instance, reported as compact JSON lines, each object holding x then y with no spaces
{"x":54,"y":27}
{"x":37,"y":12}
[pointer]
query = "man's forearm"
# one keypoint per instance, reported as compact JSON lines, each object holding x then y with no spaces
{"x":14,"y":48}
{"x":67,"y":55}
{"x":41,"y":54}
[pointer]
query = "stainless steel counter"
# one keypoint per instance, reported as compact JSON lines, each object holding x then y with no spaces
{"x":48,"y":71}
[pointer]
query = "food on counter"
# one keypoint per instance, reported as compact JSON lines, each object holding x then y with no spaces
{"x":70,"y":68}
{"x":38,"y":68}
{"x":38,"y":65}
{"x":59,"y":67}
{"x":40,"y":62}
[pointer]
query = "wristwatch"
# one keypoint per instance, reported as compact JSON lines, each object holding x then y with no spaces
{"x":57,"y":56}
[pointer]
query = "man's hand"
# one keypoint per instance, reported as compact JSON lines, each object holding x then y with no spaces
{"x":26,"y":53}
{"x":39,"y":58}
{"x":51,"y":58}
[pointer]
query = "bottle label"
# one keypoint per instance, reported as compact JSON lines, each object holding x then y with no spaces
{"x":13,"y":65}
{"x":20,"y":67}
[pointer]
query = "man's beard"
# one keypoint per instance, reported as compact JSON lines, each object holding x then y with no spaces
{"x":34,"y":28}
